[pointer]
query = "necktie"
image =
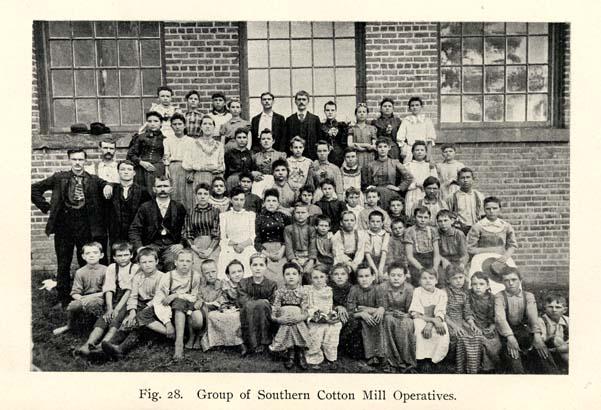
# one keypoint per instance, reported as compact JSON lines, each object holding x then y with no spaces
{"x":78,"y":194}
{"x":301,"y":117}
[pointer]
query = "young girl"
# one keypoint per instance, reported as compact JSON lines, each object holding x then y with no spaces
{"x":237,"y":230}
{"x":238,"y":158}
{"x":335,"y":132}
{"x":482,"y":303}
{"x":398,"y":325}
{"x":366,"y":303}
{"x":147,"y":152}
{"x":175,"y":149}
{"x":262,"y":163}
{"x":349,"y":342}
{"x":447,"y":171}
{"x":428,"y":309}
{"x":219,"y":113}
{"x":432,"y":200}
{"x":255,"y":295}
{"x":351,"y":174}
{"x":289,"y":309}
{"x":396,"y":210}
{"x":421,"y":245}
{"x":362,"y":136}
{"x":166,"y":109}
{"x":415,"y":126}
{"x":193,"y":115}
{"x":298,"y":165}
{"x":219,"y":198}
{"x":223,"y":323}
{"x":228,"y":130}
{"x":203,"y":159}
{"x":387,"y":126}
{"x":323,"y":169}
{"x":465,"y":336}
{"x":324,"y":322}
{"x":420,"y":169}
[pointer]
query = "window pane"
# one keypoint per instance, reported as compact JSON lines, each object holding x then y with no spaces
{"x":346,"y":108}
{"x":324,"y":81}
{"x":516,"y":108}
{"x":108,"y":82}
{"x":106,"y":29}
{"x":300,"y":29}
{"x":494,"y":78}
{"x":322,"y":29}
{"x":450,"y":80}
{"x":516,"y":78}
{"x":472,"y":79}
{"x":258,"y":82}
{"x":302,"y":80}
{"x":538,"y":28}
{"x":64,"y":114}
{"x":149,"y":28}
{"x":537,"y":78}
{"x":280,"y":82}
{"x":516,"y":50}
{"x":537,"y":107}
{"x":345,"y":81}
{"x":538,"y":49}
{"x":87,"y":110}
{"x":450,"y":29}
{"x":493,"y":107}
{"x":450,"y":110}
{"x":256,"y":29}
{"x":472,"y":108}
{"x":107,"y":53}
{"x":494,"y":50}
{"x":323,"y":53}
{"x":146,"y":104}
{"x":83,"y":51}
{"x":128,"y":53}
{"x":254,"y":106}
{"x":344,"y":29}
{"x":279,"y":29}
{"x":516,"y":28}
{"x":130,"y":82}
{"x":450,"y":51}
{"x":62,"y":83}
{"x":345,"y":52}
{"x":472,"y":50}
{"x":60,"y":53}
{"x":128,"y":28}
{"x":130,"y":111}
{"x":151,"y":79}
{"x":82,"y":29}
{"x":84,"y":83}
{"x":59,"y":28}
{"x":109,"y":111}
{"x":301,"y":53}
{"x":472,"y":28}
{"x":257,"y":53}
{"x":494,"y":28}
{"x":279,"y":53}
{"x":151,"y":52}
{"x":317,"y":103}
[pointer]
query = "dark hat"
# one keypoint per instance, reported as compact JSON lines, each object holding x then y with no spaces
{"x":79,"y":128}
{"x":494,"y":268}
{"x":217,"y":95}
{"x":98,"y":128}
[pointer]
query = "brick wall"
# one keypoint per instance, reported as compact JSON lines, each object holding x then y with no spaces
{"x":203,"y":56}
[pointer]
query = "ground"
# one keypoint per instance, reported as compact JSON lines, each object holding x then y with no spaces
{"x":55,"y":353}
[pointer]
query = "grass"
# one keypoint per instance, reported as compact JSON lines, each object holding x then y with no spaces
{"x":55,"y":353}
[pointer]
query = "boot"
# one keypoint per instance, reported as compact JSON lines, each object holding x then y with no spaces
{"x":118,"y":351}
{"x":289,"y":363}
{"x":300,"y":358}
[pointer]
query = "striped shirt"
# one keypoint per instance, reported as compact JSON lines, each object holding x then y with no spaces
{"x":193,"y":121}
{"x":202,"y":222}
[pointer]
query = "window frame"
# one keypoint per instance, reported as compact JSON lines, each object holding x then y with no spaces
{"x":360,"y":69}
{"x":41,"y":38}
{"x":555,"y":89}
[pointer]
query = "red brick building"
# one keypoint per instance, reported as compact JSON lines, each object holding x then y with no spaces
{"x":501,"y":91}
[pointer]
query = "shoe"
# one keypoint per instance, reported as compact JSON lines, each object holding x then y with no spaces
{"x":60,"y":330}
{"x":300,"y":357}
{"x":289,"y":363}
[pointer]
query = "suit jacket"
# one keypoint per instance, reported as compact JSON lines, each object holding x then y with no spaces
{"x":278,"y":130}
{"x":59,"y":184}
{"x":137,"y":196}
{"x":309,"y":130}
{"x":147,"y":223}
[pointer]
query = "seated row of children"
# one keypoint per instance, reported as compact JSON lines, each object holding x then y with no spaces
{"x":391,"y":325}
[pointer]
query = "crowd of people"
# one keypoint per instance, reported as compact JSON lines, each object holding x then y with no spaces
{"x":298,"y":237}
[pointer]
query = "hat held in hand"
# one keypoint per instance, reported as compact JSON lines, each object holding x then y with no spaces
{"x":495,"y":268}
{"x":98,"y":128}
{"x":79,"y":128}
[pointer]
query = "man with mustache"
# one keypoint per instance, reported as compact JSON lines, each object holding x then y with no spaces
{"x":106,"y":168}
{"x":303,"y":124}
{"x":271,"y":120}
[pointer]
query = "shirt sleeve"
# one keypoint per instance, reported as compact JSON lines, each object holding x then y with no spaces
{"x":132,"y":302}
{"x":511,"y":241}
{"x":430,"y":131}
{"x":162,"y":290}
{"x":401,"y":135}
{"x":312,"y":243}
{"x":289,"y":243}
{"x":473,"y":237}
{"x":532,"y":313}
{"x":361,"y":247}
{"x":501,"y":316}
{"x":406,"y":177}
{"x":110,"y":280}
{"x":251,"y":225}
{"x":415,"y":305}
{"x":440,"y":309}
{"x":78,"y":285}
{"x":223,"y":230}
{"x":351,"y":300}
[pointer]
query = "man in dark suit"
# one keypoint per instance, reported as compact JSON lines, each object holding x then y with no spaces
{"x":159,"y":223}
{"x":270,"y":120}
{"x":304,"y":124}
{"x":125,"y":202}
{"x":76,"y":215}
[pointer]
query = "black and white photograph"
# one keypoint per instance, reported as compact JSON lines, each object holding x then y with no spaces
{"x":300,"y":196}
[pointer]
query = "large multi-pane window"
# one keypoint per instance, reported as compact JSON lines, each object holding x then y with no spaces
{"x":493,"y":73}
{"x":318,"y":57}
{"x":104,"y":71}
